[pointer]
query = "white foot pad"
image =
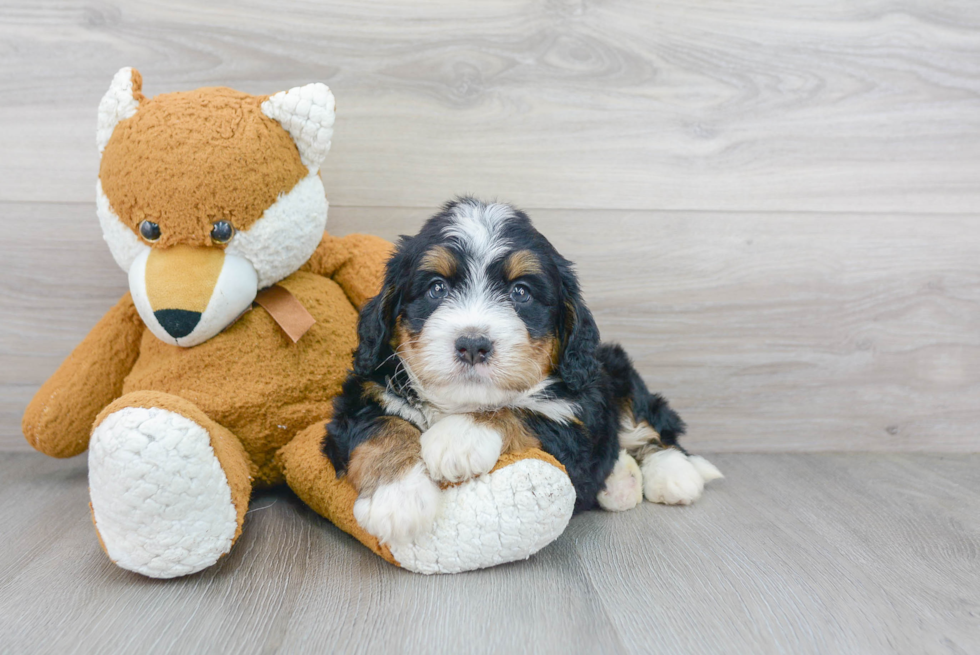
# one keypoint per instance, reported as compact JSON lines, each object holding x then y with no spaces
{"x":672,"y":478}
{"x":624,"y":486}
{"x":160,"y":498}
{"x":502,"y":517}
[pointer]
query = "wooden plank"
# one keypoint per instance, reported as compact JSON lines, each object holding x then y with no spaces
{"x":715,"y":105}
{"x":799,"y":554}
{"x":790,"y":553}
{"x":768,"y":332}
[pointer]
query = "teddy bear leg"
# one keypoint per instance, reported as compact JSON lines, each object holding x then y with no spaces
{"x":509,"y":514}
{"x":169,"y":486}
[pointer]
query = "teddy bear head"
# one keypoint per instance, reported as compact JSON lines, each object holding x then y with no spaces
{"x":207,"y":196}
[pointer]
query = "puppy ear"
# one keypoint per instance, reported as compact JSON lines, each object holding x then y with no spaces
{"x":376,"y":323}
{"x":374,"y":330}
{"x":578,"y":335}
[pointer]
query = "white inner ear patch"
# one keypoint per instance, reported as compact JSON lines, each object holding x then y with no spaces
{"x":118,"y":104}
{"x":307,"y":113}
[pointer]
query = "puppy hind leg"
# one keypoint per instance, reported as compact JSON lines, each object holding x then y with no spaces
{"x":624,"y":486}
{"x":669,"y":475}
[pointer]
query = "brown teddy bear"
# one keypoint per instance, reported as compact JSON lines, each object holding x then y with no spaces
{"x":215,"y":375}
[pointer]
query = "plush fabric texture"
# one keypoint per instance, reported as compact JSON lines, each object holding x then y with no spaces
{"x":181,"y":432}
{"x":59,"y":418}
{"x":252,"y":378}
{"x":169,"y":492}
{"x":162,"y":164}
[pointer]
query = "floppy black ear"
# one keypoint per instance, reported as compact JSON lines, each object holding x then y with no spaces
{"x":373,"y":335}
{"x":376,"y":323}
{"x":579,"y":335}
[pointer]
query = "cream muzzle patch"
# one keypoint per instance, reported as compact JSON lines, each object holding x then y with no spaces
{"x":186,"y":295}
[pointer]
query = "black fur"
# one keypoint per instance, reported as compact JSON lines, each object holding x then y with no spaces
{"x":599,"y":378}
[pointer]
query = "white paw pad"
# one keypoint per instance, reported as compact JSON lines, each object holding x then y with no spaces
{"x":398,"y":512}
{"x":160,"y":498}
{"x":458,"y":448}
{"x":671,"y":478}
{"x":624,"y":486}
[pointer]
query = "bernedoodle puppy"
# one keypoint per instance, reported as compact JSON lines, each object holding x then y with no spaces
{"x":480,"y":344}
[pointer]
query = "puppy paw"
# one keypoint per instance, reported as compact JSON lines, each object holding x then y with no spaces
{"x":624,"y":486}
{"x":707,"y":470}
{"x":398,"y":512}
{"x":458,"y":448}
{"x":670,"y":478}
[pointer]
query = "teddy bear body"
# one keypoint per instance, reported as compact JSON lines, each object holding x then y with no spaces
{"x":237,"y":379}
{"x":216,"y":373}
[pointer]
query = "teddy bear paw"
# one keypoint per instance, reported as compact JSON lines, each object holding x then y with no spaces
{"x":160,"y":498}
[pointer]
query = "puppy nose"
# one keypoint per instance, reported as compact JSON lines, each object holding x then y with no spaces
{"x":473,"y":349}
{"x":177,"y":322}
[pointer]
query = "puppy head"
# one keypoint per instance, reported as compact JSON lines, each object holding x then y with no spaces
{"x":478,"y":308}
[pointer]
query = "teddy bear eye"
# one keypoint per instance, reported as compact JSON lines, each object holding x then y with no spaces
{"x":149,"y":230}
{"x":222,"y":231}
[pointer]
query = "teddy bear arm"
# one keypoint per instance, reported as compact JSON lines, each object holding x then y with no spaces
{"x":58,"y":420}
{"x":523,"y":504}
{"x":356,"y":262}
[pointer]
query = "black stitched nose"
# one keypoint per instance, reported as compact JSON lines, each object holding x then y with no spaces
{"x":473,"y":349}
{"x":178,"y":322}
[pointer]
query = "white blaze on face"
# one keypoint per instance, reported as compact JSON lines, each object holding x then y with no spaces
{"x":473,"y":308}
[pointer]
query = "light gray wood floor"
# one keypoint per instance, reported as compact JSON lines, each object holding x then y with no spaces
{"x":789,"y":554}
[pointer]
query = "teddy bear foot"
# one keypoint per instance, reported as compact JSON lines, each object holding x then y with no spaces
{"x":161,"y":499}
{"x":504,"y":516}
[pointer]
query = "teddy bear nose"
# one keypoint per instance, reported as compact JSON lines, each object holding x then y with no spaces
{"x":177,"y":322}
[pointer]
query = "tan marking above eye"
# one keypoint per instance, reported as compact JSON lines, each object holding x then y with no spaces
{"x":521,"y":263}
{"x":439,"y":260}
{"x":182,"y":277}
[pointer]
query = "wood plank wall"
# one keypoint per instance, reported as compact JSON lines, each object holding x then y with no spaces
{"x":773,"y":204}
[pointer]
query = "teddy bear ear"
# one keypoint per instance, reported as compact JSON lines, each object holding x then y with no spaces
{"x":307,"y":113}
{"x":119,"y":103}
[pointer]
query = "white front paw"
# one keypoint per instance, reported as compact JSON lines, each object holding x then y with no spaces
{"x":398,"y":512}
{"x":458,"y":448}
{"x":670,"y":478}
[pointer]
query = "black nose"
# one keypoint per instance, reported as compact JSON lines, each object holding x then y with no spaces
{"x":473,"y":348}
{"x":178,"y":322}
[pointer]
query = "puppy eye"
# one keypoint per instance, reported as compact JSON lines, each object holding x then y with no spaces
{"x":222,"y":231}
{"x":149,"y":230}
{"x":520,"y":293}
{"x":438,"y":290}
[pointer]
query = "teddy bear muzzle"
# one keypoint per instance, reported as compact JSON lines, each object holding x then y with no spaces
{"x":186,"y":295}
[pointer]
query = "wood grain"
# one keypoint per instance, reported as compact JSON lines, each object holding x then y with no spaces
{"x":789,"y":554}
{"x":715,"y":105}
{"x":768,"y":332}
